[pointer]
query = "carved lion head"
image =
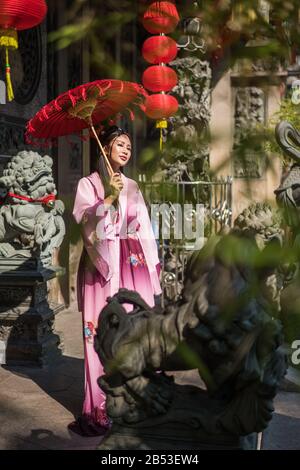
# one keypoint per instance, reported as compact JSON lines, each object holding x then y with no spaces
{"x":28,"y":174}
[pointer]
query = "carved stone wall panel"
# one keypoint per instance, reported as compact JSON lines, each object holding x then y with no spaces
{"x":11,"y":138}
{"x":249,"y":109}
{"x":258,"y":68}
{"x":26,"y":80}
{"x":75,"y":162}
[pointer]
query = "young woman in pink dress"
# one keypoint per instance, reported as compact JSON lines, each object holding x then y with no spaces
{"x":120,"y":250}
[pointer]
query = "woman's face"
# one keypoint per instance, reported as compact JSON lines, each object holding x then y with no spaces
{"x":120,"y":152}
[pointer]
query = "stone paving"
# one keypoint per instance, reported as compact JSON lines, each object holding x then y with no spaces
{"x":36,"y":405}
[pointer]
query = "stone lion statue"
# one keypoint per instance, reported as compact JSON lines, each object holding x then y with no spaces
{"x":225,"y":325}
{"x":288,"y":199}
{"x":288,"y":192}
{"x":30,"y":218}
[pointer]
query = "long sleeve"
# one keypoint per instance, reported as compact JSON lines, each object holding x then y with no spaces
{"x":95,"y":221}
{"x":84,"y":199}
{"x":148,"y":242}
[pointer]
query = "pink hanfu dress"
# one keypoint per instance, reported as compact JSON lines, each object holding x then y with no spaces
{"x":120,"y":250}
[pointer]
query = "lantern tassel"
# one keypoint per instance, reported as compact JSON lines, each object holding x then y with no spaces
{"x":10,"y":92}
{"x":161,"y":124}
{"x":161,"y":140}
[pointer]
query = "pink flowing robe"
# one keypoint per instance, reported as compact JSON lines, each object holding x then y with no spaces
{"x":108,"y":263}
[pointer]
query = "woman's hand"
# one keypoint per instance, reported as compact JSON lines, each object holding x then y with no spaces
{"x":116,"y":185}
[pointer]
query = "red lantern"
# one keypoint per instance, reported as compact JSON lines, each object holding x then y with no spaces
{"x":21,"y":14}
{"x":159,"y":78}
{"x":161,"y":17}
{"x":160,"y":106}
{"x":17,"y":15}
{"x":159,"y":49}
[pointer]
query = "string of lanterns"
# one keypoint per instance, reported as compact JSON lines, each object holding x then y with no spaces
{"x":17,"y":15}
{"x":160,"y":18}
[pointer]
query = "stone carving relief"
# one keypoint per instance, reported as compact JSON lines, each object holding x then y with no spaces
{"x":188,"y":138}
{"x":249,"y":111}
{"x":192,"y":38}
{"x":11,"y":137}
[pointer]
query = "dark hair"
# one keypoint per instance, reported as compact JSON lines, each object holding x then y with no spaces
{"x":110,"y":133}
{"x":107,"y":137}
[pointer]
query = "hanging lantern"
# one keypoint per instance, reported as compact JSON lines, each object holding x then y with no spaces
{"x":159,"y":49}
{"x":17,"y":15}
{"x":161,"y":17}
{"x":159,"y":78}
{"x":160,"y":106}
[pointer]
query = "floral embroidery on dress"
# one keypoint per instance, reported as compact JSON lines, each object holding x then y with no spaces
{"x":132,"y":231}
{"x":89,"y":331}
{"x":100,"y":416}
{"x":136,"y":259}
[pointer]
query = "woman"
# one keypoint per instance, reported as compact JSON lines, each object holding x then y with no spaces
{"x":119,"y":251}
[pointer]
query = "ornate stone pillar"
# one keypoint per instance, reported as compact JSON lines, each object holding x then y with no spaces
{"x":27,"y":335}
{"x":187,"y":148}
{"x":250,"y":110}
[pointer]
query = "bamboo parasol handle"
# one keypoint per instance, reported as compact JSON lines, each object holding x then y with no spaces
{"x":102,"y":151}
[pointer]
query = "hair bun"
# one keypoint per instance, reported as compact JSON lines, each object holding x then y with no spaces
{"x":107,"y":132}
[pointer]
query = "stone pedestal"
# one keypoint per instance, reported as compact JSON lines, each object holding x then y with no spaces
{"x":27,"y":335}
{"x":188,"y":425}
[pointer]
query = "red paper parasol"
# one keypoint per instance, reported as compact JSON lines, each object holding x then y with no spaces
{"x":84,"y":107}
